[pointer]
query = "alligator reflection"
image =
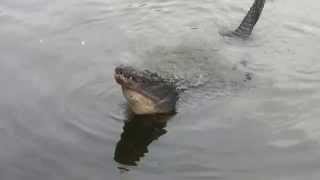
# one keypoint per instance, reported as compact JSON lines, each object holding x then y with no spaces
{"x":138,"y":132}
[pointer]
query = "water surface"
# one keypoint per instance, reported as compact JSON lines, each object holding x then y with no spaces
{"x":62,"y":116}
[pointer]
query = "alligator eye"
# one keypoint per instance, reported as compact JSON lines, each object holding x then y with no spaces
{"x":132,"y":78}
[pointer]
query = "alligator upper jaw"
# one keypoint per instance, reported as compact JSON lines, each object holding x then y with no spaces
{"x":119,"y":79}
{"x":123,"y":81}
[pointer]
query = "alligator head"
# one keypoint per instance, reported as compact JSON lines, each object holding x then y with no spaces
{"x":146,"y":92}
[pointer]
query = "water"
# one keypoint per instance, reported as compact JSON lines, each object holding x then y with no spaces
{"x":63,"y":116}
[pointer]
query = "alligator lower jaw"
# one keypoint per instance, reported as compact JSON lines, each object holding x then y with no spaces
{"x":144,"y":105}
{"x":139,"y":103}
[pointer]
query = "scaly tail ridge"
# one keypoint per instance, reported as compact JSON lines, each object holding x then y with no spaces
{"x":250,"y":20}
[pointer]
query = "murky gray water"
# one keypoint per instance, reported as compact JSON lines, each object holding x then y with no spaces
{"x":62,"y":116}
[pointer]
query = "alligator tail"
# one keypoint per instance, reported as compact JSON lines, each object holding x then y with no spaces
{"x":250,"y":20}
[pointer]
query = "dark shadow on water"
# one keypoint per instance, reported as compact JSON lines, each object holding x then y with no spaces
{"x":139,"y":131}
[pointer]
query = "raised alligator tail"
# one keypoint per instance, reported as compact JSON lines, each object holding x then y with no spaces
{"x":249,"y":21}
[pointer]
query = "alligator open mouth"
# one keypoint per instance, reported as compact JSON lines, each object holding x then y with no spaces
{"x":146,"y":92}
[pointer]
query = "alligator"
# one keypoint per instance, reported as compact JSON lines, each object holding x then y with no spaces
{"x":145,"y":91}
{"x":149,"y":93}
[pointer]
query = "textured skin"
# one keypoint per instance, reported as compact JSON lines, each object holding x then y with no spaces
{"x":148,"y":93}
{"x":249,"y":21}
{"x":252,"y":17}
